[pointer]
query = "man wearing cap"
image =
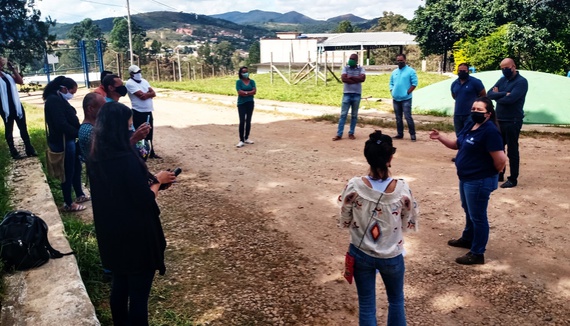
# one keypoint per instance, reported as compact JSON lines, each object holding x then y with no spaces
{"x":141,"y":95}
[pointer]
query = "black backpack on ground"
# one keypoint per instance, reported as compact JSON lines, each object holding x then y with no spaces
{"x":23,"y":241}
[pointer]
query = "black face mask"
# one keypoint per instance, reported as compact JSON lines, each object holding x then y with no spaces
{"x":507,"y":72}
{"x":121,"y":90}
{"x":401,"y":65}
{"x":463,"y":75}
{"x":478,"y":117}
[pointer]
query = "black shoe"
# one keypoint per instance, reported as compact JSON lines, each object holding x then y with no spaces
{"x":461,"y":243}
{"x":398,"y":137}
{"x":501,"y":177}
{"x":471,"y":259}
{"x":509,"y":184}
{"x":30,"y":152}
{"x":15,"y":155}
{"x":413,"y":137}
{"x":153,"y":155}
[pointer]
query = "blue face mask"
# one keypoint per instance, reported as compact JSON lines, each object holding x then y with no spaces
{"x":245,"y":75}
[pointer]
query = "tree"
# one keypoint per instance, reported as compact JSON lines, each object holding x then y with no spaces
{"x":391,"y":22}
{"x":254,"y":54}
{"x":88,"y":31}
{"x":205,"y":54}
{"x":433,"y":27}
{"x":345,"y":26}
{"x":22,"y":35}
{"x":119,"y":36}
{"x":223,"y":52}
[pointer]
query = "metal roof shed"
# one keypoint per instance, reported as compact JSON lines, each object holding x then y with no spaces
{"x":365,"y":41}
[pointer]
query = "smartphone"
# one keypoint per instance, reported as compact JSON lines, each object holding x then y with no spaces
{"x":148,"y":119}
{"x":176,"y":171}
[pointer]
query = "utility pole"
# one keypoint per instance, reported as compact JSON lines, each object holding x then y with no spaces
{"x":130,"y":33}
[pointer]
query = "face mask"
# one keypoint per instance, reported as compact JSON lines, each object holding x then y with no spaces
{"x":352,"y":62}
{"x":245,"y":75}
{"x":463,"y":75}
{"x":121,"y":90}
{"x":137,"y":77}
{"x":67,"y":96}
{"x":478,"y":117}
{"x":508,"y":73}
{"x":401,"y":65}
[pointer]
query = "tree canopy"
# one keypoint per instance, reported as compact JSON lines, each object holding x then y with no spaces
{"x":535,"y":33}
{"x":23,"y":36}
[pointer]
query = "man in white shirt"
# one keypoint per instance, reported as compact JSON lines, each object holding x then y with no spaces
{"x":141,"y":95}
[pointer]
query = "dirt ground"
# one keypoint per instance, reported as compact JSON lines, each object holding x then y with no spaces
{"x":252,"y":234}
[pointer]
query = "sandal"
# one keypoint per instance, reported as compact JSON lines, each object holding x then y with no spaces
{"x":82,"y":199}
{"x":73,"y":208}
{"x":335,"y":138}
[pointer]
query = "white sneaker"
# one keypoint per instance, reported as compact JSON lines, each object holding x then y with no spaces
{"x":247,"y":141}
{"x":240,"y":144}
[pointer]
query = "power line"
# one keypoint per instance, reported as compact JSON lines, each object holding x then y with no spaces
{"x":160,"y":3}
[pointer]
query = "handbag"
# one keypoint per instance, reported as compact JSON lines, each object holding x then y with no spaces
{"x":348,"y":258}
{"x":55,"y":162}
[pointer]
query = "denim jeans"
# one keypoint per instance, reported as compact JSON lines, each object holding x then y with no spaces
{"x":459,"y":121}
{"x":245,"y":112}
{"x":392,"y":273}
{"x":129,"y":298}
{"x":474,"y":200}
{"x":349,"y":100}
{"x":404,"y":108}
{"x":511,"y":131}
{"x":72,"y":166}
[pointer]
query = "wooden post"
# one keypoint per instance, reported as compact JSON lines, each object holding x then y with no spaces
{"x":271,"y":68}
{"x":290,"y":59}
{"x":189,"y":77}
{"x":213,"y":71}
{"x":173,"y":71}
{"x":317,"y":67}
{"x":157,"y":70}
{"x":202,"y":71}
{"x":343,"y":61}
{"x":326,"y":65}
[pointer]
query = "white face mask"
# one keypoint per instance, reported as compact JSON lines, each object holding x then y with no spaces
{"x":137,"y":76}
{"x":68,"y":96}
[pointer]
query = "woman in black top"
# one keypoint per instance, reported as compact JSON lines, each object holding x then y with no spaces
{"x":12,"y":110}
{"x":126,"y":215}
{"x":63,"y":127}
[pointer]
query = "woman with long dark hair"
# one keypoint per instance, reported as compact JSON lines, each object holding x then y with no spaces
{"x":479,"y":160}
{"x":12,"y":110}
{"x":63,"y":128}
{"x":126,"y":215}
{"x":246,"y":89}
{"x":378,"y":209}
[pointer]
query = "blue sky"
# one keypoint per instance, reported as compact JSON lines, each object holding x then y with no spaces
{"x":66,"y":11}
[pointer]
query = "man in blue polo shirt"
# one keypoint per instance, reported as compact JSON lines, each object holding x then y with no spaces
{"x":464,"y":90}
{"x":403,"y":81}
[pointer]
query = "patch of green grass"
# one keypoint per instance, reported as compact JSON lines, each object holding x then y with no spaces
{"x":375,"y":86}
{"x":441,"y":126}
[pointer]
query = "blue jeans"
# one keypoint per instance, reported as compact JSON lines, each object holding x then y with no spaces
{"x":72,"y":166}
{"x":404,"y":108}
{"x":392,"y":272}
{"x":349,"y":100}
{"x":474,"y":200}
{"x":459,"y":121}
{"x":129,"y":298}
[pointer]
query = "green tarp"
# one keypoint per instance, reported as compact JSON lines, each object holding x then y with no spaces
{"x":547,"y":100}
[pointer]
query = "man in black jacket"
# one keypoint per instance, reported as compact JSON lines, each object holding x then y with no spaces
{"x":510,"y":92}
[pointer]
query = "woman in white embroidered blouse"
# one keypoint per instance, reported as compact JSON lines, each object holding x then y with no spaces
{"x":378,"y":209}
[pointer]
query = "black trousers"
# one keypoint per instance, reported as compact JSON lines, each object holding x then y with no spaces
{"x":245,"y":112}
{"x":138,"y":119}
{"x":9,"y":124}
{"x":511,"y":131}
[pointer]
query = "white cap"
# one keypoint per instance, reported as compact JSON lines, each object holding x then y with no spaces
{"x":134,"y":69}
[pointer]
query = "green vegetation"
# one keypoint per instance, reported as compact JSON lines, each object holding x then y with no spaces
{"x":5,"y":206}
{"x":307,"y":92}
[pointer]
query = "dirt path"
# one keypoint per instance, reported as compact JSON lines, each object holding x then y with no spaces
{"x":253,"y":238}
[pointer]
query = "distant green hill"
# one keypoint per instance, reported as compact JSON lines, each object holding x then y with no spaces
{"x":173,"y":20}
{"x":547,"y":100}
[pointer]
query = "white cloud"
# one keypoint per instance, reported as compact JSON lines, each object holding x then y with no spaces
{"x":65,"y":11}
